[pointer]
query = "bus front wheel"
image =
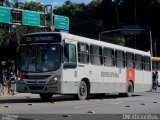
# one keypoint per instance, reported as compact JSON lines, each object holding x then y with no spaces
{"x":46,"y":96}
{"x":82,"y":91}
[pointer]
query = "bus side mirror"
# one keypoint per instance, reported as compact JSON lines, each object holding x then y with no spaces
{"x":69,"y":65}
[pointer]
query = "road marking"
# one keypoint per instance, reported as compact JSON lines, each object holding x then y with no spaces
{"x":82,"y":106}
{"x":115,"y":103}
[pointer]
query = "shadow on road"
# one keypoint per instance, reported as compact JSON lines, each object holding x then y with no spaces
{"x":60,"y":98}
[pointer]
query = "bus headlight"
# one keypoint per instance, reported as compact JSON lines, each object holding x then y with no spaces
{"x":55,"y":79}
{"x":18,"y":78}
{"x":20,"y":81}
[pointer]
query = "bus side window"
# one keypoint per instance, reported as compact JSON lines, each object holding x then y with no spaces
{"x":69,"y":57}
{"x":130,"y":60}
{"x":120,"y":61}
{"x":66,"y":55}
{"x":138,"y":62}
{"x":96,"y":55}
{"x":108,"y":55}
{"x":83,"y":53}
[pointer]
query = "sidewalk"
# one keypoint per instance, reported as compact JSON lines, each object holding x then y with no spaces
{"x":16,"y":94}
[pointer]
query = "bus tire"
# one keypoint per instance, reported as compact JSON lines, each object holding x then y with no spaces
{"x":82,"y":91}
{"x":130,"y":90}
{"x":46,"y":96}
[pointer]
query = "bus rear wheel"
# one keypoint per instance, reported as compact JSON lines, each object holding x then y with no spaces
{"x":82,"y":91}
{"x":130,"y":90}
{"x":46,"y":96}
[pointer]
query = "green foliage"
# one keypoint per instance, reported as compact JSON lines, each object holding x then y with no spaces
{"x":99,"y":15}
{"x":84,"y":20}
{"x":33,"y":6}
{"x":4,"y":38}
{"x":120,"y":41}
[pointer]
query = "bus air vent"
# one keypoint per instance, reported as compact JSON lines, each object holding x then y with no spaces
{"x":36,"y":87}
{"x":36,"y":76}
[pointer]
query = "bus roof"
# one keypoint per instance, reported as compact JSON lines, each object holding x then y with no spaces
{"x":155,"y":58}
{"x":94,"y":42}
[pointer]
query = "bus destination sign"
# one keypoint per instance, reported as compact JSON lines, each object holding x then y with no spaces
{"x":41,"y":38}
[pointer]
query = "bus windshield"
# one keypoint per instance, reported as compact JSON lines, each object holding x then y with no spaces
{"x":39,"y":57}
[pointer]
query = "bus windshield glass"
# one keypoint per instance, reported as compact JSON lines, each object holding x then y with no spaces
{"x":39,"y":57}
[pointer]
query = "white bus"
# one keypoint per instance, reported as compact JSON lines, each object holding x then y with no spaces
{"x":61,"y":63}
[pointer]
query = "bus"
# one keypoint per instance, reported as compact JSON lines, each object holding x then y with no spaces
{"x":156,"y":66}
{"x":62,"y":63}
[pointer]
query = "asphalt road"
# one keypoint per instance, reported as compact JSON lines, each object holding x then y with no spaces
{"x":27,"y":106}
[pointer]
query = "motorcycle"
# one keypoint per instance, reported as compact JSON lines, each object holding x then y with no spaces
{"x":155,"y":85}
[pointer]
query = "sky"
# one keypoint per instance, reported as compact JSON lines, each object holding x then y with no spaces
{"x":56,"y":2}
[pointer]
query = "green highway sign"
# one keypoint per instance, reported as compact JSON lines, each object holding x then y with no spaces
{"x":61,"y":22}
{"x":30,"y":18}
{"x":5,"y":15}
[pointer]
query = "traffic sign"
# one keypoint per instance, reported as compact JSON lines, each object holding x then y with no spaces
{"x":61,"y":22}
{"x":5,"y":15}
{"x":30,"y":18}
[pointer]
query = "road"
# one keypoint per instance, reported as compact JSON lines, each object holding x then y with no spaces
{"x":67,"y":106}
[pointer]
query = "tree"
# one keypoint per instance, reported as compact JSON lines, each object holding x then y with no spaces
{"x":4,"y":38}
{"x":10,"y":35}
{"x":83,"y":18}
{"x":33,"y":6}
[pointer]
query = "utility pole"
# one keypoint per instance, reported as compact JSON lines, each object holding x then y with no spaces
{"x":46,"y":9}
{"x":116,"y":10}
{"x":135,"y":12}
{"x":135,"y":19}
{"x":155,"y":47}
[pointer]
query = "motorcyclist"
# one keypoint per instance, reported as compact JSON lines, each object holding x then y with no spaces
{"x":154,"y":80}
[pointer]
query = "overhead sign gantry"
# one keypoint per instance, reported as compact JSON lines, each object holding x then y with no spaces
{"x":32,"y":18}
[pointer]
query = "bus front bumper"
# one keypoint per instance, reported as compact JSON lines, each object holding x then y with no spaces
{"x":35,"y":88}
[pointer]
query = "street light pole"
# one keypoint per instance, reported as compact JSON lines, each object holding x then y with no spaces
{"x":151,"y":49}
{"x":135,"y":19}
{"x":135,"y":12}
{"x":155,"y":47}
{"x":107,"y":32}
{"x":51,"y":14}
{"x":150,"y":36}
{"x":116,"y":10}
{"x":115,"y":30}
